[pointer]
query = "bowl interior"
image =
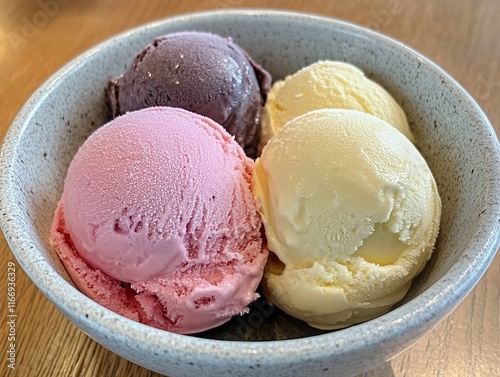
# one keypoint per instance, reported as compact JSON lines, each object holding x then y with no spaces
{"x":451,"y":132}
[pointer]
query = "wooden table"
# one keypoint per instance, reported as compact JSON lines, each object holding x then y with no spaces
{"x":38,"y":37}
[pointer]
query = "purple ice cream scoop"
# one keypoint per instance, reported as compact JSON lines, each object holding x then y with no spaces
{"x":200,"y":72}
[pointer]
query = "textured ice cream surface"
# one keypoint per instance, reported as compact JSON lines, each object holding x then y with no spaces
{"x":329,"y":84}
{"x":200,"y":72}
{"x":157,"y":221}
{"x":351,"y":213}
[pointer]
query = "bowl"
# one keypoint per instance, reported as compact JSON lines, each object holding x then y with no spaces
{"x":451,"y":132}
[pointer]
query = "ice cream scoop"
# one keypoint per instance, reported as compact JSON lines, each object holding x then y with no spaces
{"x":200,"y":72}
{"x":351,"y":214}
{"x":157,"y":221}
{"x":329,"y":84}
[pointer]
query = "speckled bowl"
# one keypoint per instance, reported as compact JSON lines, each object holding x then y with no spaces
{"x":451,"y":132}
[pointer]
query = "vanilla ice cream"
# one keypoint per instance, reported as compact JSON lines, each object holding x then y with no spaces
{"x":351,"y":213}
{"x":328,"y":84}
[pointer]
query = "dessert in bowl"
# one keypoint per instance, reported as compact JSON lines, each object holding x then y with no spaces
{"x":449,"y":129}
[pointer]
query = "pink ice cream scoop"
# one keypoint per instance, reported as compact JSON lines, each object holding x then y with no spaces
{"x":157,"y":221}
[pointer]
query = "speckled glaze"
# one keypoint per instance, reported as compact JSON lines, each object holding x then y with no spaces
{"x":451,"y":131}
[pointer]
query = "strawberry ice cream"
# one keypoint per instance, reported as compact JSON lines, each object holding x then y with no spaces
{"x":157,"y":221}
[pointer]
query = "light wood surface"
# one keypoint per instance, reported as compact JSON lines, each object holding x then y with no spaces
{"x":38,"y":37}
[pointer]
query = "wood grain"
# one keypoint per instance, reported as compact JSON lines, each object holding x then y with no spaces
{"x":38,"y":37}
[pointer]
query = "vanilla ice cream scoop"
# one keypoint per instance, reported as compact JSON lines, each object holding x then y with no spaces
{"x":328,"y":84}
{"x":351,"y":214}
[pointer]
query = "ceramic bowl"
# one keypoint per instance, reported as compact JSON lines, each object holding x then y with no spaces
{"x":451,"y":131}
